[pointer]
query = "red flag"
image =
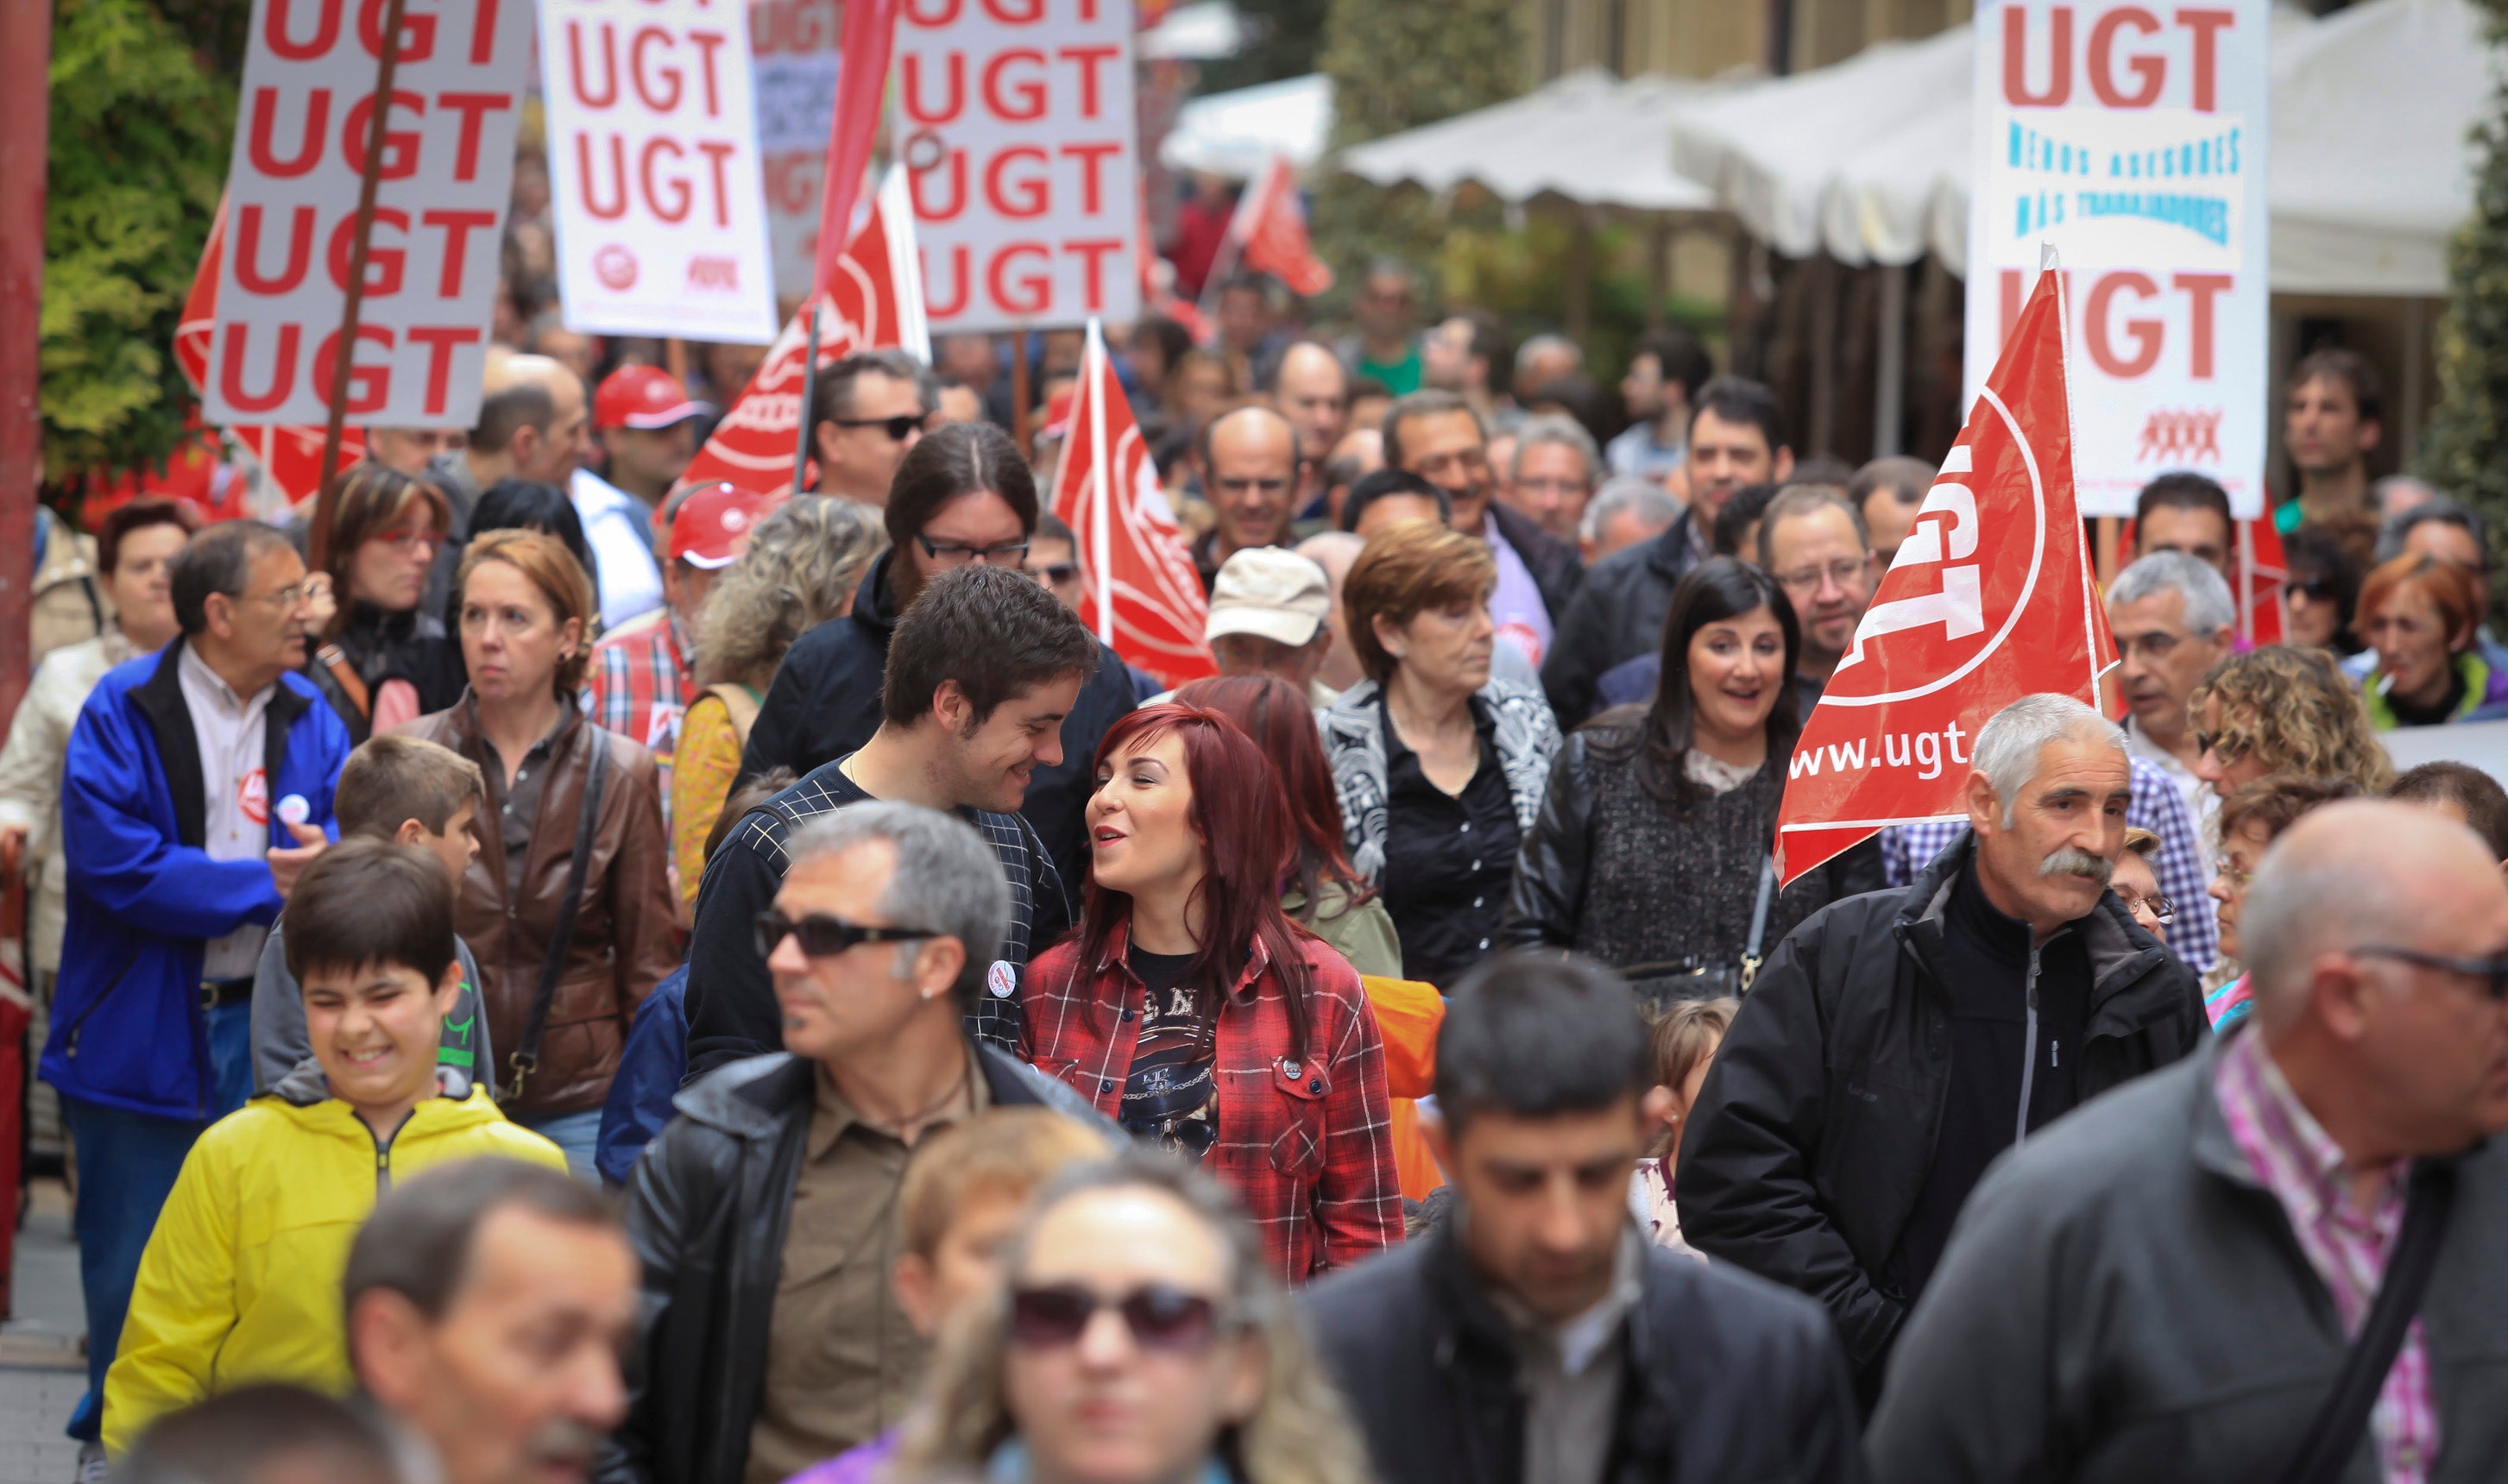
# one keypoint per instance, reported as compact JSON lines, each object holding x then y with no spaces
{"x":292,"y":454}
{"x":862,"y":76}
{"x":2262,"y":570}
{"x":1990,"y":600}
{"x":1269,"y":228}
{"x":876,"y":303}
{"x":1143,"y":594}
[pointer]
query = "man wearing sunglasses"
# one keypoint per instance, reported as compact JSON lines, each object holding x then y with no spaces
{"x":765,"y":1212}
{"x":866,"y":414}
{"x":2167,"y":1285}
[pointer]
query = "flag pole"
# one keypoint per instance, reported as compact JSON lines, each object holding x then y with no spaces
{"x":1100,"y":467}
{"x":327,"y":491}
{"x":1231,"y":242}
{"x":809,"y":393}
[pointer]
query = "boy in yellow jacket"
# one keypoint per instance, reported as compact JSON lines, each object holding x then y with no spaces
{"x":241,"y":1280}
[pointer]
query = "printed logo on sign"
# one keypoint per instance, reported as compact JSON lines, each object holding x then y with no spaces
{"x":713,"y":273}
{"x":2179,"y":435}
{"x":1002,"y":979}
{"x":616,"y":267}
{"x":252,"y":796}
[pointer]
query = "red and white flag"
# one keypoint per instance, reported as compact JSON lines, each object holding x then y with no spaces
{"x":1270,"y":231}
{"x":2262,"y":570}
{"x":1143,"y":595}
{"x":1990,"y":598}
{"x":875,"y":303}
{"x":290,"y":454}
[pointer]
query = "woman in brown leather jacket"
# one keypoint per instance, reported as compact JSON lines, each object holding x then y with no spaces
{"x":567,"y":906}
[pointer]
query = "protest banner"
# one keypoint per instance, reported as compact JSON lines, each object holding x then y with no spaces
{"x":875,"y":303}
{"x":443,"y":173}
{"x":1142,"y":594}
{"x":792,"y":45}
{"x":1016,"y":121}
{"x":655,"y":173}
{"x":2132,"y":140}
{"x":1990,"y":598}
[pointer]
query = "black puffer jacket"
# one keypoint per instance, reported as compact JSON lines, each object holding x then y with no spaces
{"x":1816,"y":1125}
{"x":825,"y":705}
{"x":1618,"y":614}
{"x":706,"y":1209}
{"x":1724,"y":1378}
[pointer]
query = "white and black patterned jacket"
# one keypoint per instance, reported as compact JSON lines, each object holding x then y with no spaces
{"x":1527,"y":739}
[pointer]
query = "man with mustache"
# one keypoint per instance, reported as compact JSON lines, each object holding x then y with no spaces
{"x":1897,"y":1042}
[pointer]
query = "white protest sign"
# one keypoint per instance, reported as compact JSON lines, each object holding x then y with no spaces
{"x":447,"y":169}
{"x":794,"y":44}
{"x":653,"y":170}
{"x":1015,"y":119}
{"x":2132,"y":138}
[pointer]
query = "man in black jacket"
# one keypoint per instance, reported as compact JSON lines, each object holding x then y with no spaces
{"x":763,"y":1213}
{"x":1535,"y":1336}
{"x":964,"y":497}
{"x":1736,"y":437}
{"x":1437,"y":436}
{"x":984,"y":672}
{"x":1897,"y":1043}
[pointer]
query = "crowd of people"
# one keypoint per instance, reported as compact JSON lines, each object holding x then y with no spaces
{"x":627,"y":979}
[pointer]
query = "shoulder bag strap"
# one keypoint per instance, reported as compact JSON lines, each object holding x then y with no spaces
{"x":740,"y":704}
{"x":2345,"y":1416}
{"x":333,"y":658}
{"x":1750,"y":957}
{"x":526,"y":1058}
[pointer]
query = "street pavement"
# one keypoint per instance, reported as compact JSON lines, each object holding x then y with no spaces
{"x":41,"y":1370}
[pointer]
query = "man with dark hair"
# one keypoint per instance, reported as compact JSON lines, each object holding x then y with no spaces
{"x":263,"y":1434}
{"x":1813,"y":543}
{"x":2463,"y":793}
{"x":1662,"y":379}
{"x":1461,"y":355}
{"x":1439,"y":437}
{"x":878,"y":940}
{"x":1387,"y":347}
{"x":1889,"y":490}
{"x":982,"y":673}
{"x":2333,"y":418}
{"x":533,"y":424}
{"x":2186,"y":512}
{"x":197,"y":784}
{"x":1248,"y":461}
{"x":1736,"y":437}
{"x":1378,"y":499}
{"x":866,"y":414}
{"x":963,"y":497}
{"x":1534,"y":1335}
{"x":487,"y":1304}
{"x":1251,"y":304}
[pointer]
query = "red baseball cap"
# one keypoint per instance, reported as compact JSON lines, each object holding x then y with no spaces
{"x":712,"y":527}
{"x":642,"y":397}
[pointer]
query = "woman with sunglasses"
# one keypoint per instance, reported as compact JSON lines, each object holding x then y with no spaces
{"x":1192,"y":1011}
{"x":1138,"y":1339}
{"x":2322,"y":592}
{"x":2251,"y":821}
{"x":380,"y":660}
{"x":2282,"y":711}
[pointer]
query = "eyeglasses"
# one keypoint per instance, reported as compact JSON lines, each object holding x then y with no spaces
{"x":899,"y":428}
{"x":947,"y":553}
{"x":2162,"y":911}
{"x":2220,"y":745}
{"x":2155,"y":646}
{"x":821,"y":936}
{"x":2221,"y":868}
{"x":1162,"y":1318}
{"x":1268,"y":489}
{"x":1561,"y":488}
{"x":2491,"y":970}
{"x":2318,"y":589}
{"x":1845,"y":572}
{"x":1054,"y":574}
{"x":288,"y":597}
{"x":409,"y":540}
{"x":1436,"y":468}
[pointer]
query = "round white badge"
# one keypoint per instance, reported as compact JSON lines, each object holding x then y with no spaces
{"x":1002,"y":979}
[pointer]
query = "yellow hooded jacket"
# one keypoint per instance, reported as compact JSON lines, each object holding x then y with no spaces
{"x":240,"y":1279}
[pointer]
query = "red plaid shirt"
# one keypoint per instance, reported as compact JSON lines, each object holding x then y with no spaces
{"x":1305,"y":1147}
{"x":641,"y":684}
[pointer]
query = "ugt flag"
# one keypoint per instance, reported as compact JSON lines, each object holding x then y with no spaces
{"x":1142,"y":594}
{"x":1270,"y":228}
{"x":1989,"y":600}
{"x":874,"y":301}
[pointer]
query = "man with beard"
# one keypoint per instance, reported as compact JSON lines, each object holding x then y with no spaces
{"x":1897,"y":1042}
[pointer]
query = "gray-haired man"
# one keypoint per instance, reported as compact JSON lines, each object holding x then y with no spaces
{"x":2173,"y":619}
{"x":1897,"y":1043}
{"x":764,"y":1214}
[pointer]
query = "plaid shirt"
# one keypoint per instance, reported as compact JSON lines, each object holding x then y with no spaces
{"x":2348,"y":1247}
{"x":2157,"y":807}
{"x":642,"y":683}
{"x":1305,"y":1150}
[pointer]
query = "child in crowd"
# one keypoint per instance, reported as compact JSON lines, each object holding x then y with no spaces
{"x":241,"y":1280}
{"x":1681,"y":1047}
{"x":961,"y":1203}
{"x":409,"y":792}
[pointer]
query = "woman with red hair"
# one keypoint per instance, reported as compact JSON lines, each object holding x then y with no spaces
{"x":1189,"y":1008}
{"x":2421,"y":615}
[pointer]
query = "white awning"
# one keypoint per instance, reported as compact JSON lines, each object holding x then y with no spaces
{"x":1587,"y":137}
{"x":1234,"y":134}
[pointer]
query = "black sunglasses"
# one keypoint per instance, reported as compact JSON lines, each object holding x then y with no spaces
{"x":899,"y":428}
{"x":2314,"y":589}
{"x":2492,"y":970}
{"x":1058,"y":572}
{"x":823,"y":937}
{"x":1162,"y":1318}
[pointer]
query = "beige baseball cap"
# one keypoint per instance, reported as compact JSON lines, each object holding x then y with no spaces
{"x":1270,"y":591}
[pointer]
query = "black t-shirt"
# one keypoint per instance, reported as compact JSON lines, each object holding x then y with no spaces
{"x":1167,"y":1095}
{"x":1447,"y":857}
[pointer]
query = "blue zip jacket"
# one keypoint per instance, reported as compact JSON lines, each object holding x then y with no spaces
{"x":144,"y":897}
{"x":649,"y":1076}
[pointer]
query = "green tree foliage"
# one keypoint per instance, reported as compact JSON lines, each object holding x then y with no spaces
{"x":2466,"y":448}
{"x":140,"y":129}
{"x":1286,"y":36}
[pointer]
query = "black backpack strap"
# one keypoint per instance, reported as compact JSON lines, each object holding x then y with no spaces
{"x":526,"y":1058}
{"x":2345,"y":1416}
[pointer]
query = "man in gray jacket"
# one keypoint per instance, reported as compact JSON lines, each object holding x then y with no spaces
{"x":2164,"y":1285}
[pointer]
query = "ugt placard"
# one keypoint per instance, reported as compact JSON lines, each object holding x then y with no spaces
{"x":447,"y":167}
{"x":2132,"y":138}
{"x":1014,"y":122}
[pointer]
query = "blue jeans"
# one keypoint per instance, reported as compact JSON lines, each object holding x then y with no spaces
{"x":126,"y":1164}
{"x":579,"y":1134}
{"x":231,"y":1056}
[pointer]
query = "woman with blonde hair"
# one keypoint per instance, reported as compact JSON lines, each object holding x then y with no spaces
{"x":1137,"y":1339}
{"x":800,"y":569}
{"x":2280,"y":710}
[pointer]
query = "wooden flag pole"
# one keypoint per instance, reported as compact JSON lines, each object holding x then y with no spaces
{"x":1019,"y":419}
{"x":319,"y":541}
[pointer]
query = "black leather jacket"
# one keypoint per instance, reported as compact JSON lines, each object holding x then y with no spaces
{"x":1618,"y":614}
{"x":706,"y":1209}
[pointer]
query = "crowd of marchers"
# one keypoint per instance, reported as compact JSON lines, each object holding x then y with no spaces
{"x":609,"y":977}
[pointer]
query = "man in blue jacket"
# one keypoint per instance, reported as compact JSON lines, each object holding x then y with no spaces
{"x":198,"y":785}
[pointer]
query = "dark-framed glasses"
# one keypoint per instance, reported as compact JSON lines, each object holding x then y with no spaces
{"x":1160,"y":1318}
{"x":899,"y":428}
{"x":2491,"y":969}
{"x":823,"y":936}
{"x":949,"y":554}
